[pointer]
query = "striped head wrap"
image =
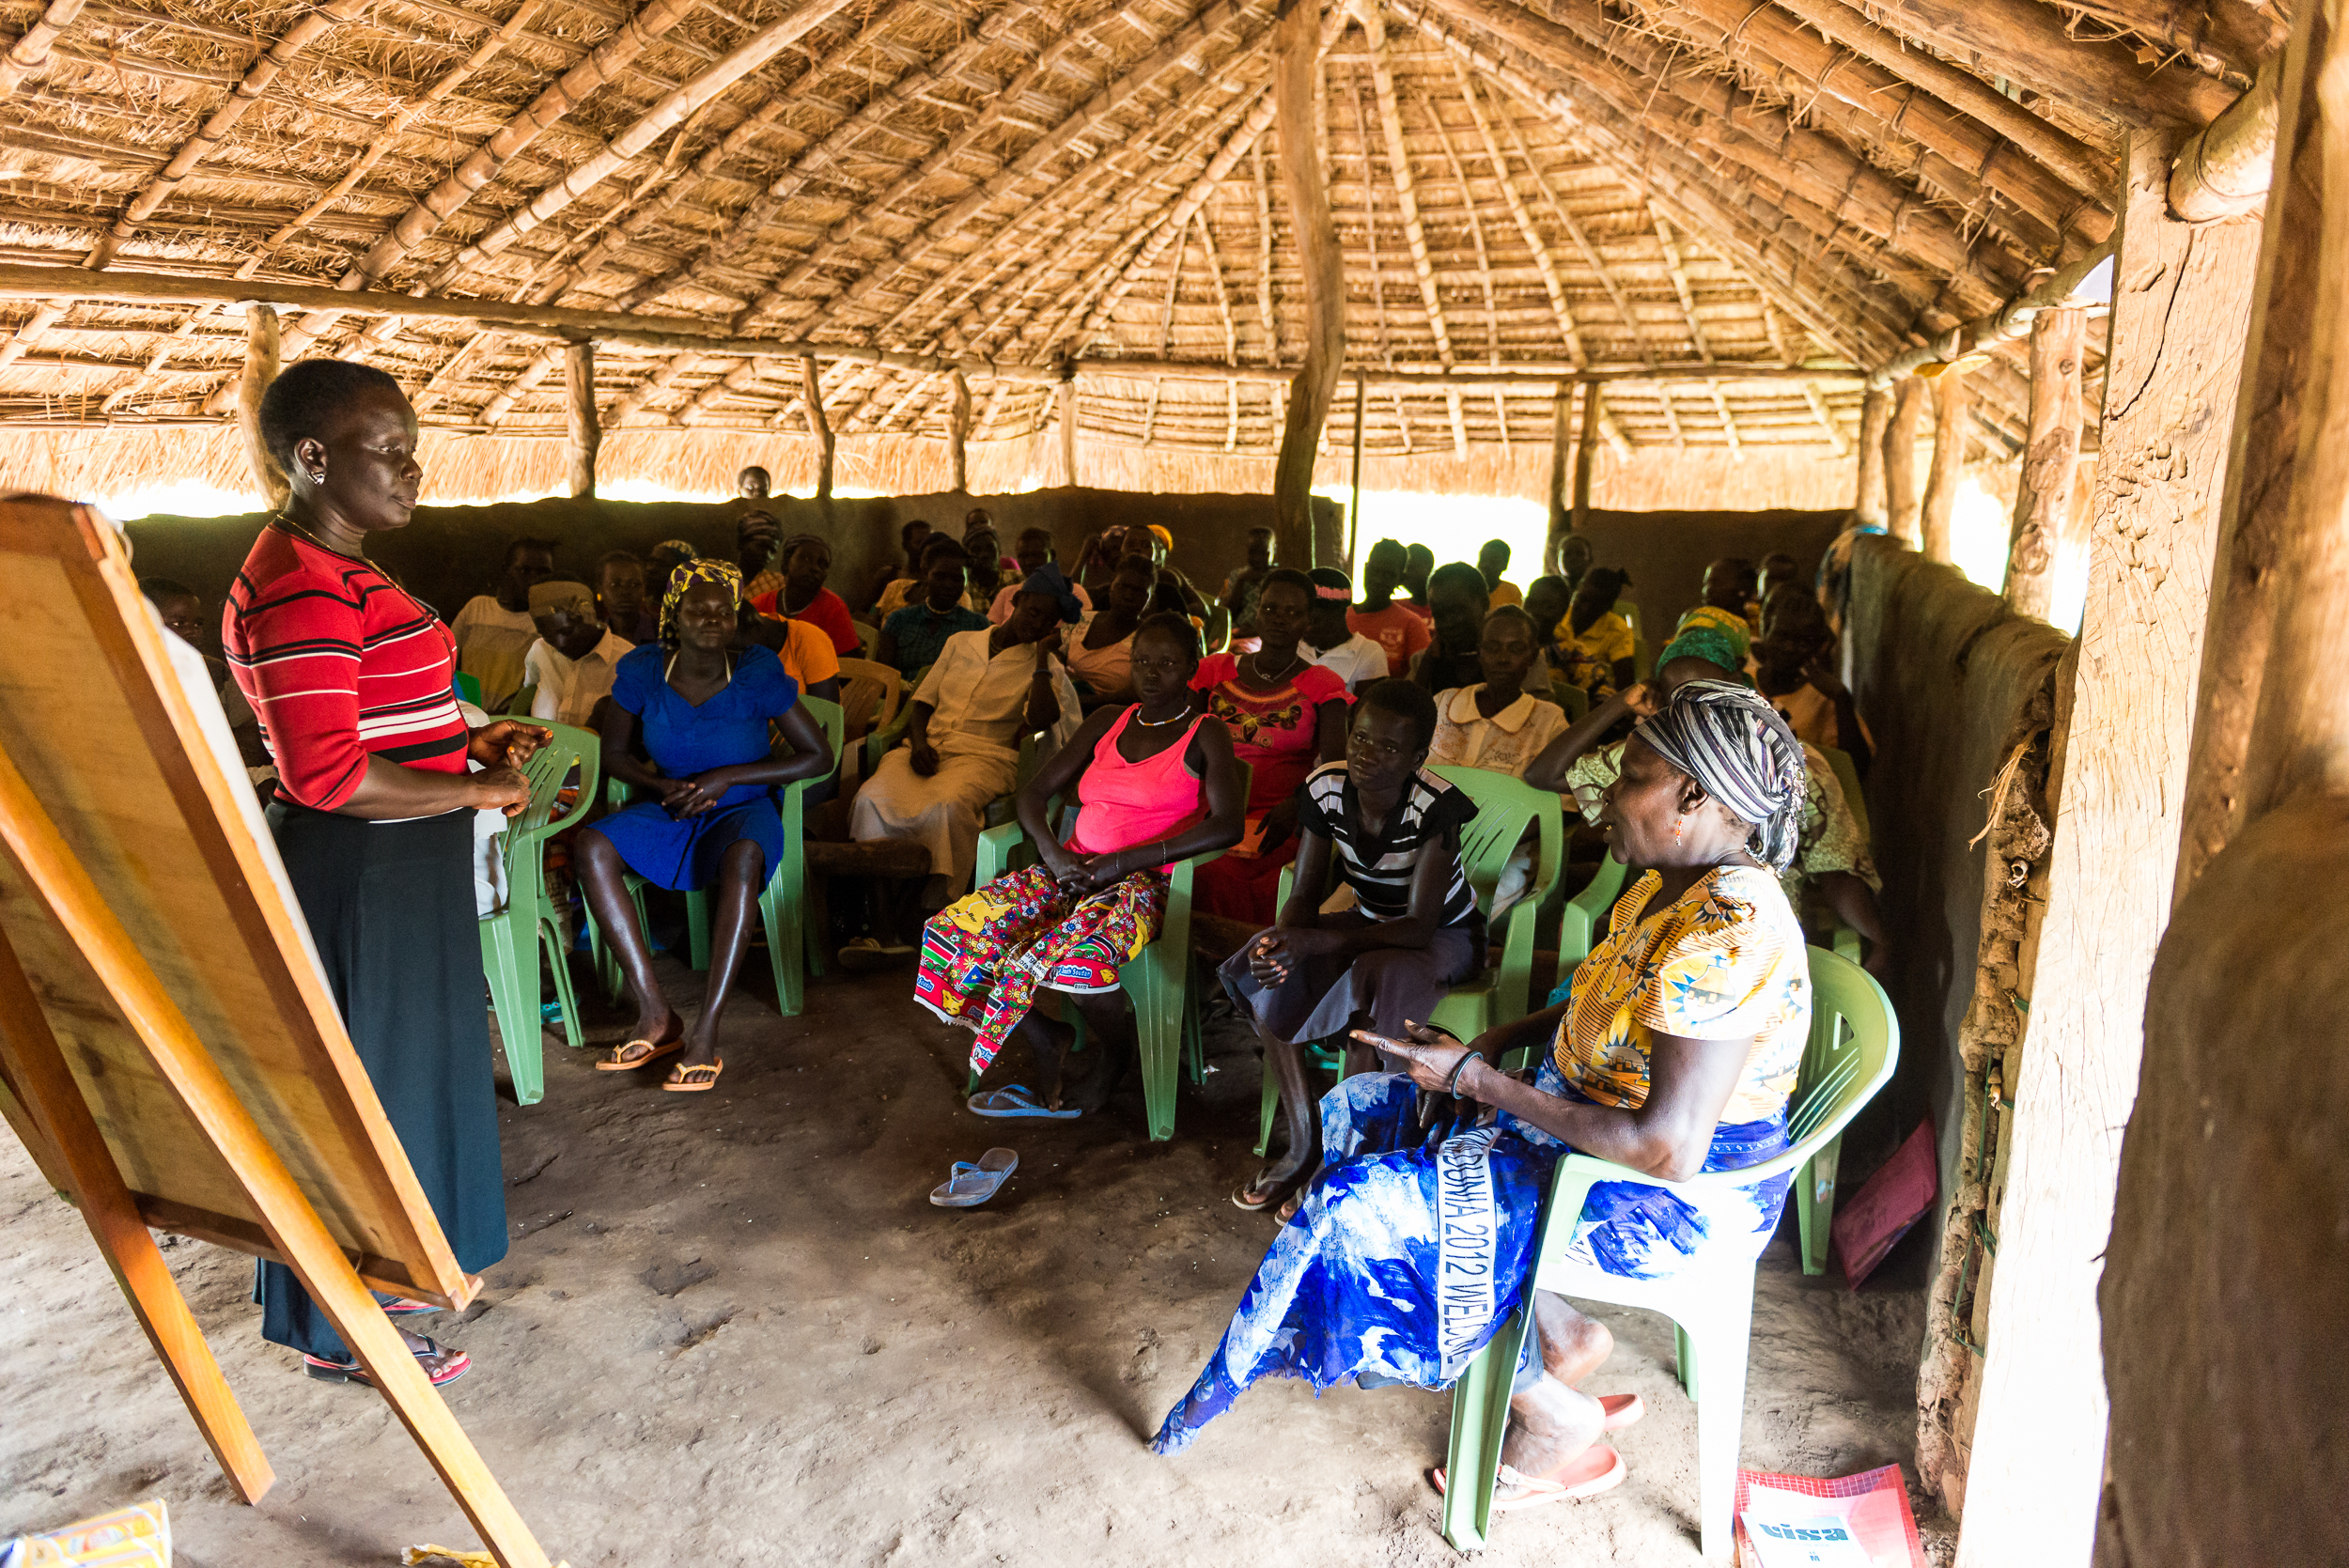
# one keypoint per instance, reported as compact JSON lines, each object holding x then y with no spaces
{"x":1728,"y":738}
{"x":706,"y":568}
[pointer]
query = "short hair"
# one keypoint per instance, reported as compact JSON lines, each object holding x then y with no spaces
{"x":756,"y":469}
{"x":1260,"y":528}
{"x":1501,"y":545}
{"x":978,"y":515}
{"x":1418,"y":551}
{"x":1406,"y":700}
{"x":516,"y":546}
{"x":301,"y":399}
{"x":617,"y":558}
{"x":1780,"y":558}
{"x":1033,"y":532}
{"x":1330,"y":577}
{"x":798,"y":542}
{"x":1289,"y":577}
{"x":1175,"y":625}
{"x":1460,"y":575}
{"x":940,"y":548}
{"x":1395,"y":545}
{"x":1514,"y":611}
{"x":1597,"y":578}
{"x":1736,"y":564}
{"x":905,"y":531}
{"x":160,"y":588}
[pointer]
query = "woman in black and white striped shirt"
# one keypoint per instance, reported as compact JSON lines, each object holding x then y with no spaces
{"x":1389,"y":830}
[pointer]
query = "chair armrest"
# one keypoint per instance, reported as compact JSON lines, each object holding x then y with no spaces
{"x":996,"y":847}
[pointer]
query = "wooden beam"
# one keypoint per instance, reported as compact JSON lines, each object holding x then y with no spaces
{"x":2008,"y":322}
{"x":1875,"y":413}
{"x":2223,"y":170}
{"x":2027,"y":43}
{"x":1561,"y":442}
{"x":1354,"y":507}
{"x":30,"y":51}
{"x":818,"y":426}
{"x":1552,"y":283}
{"x":1267,"y":317}
{"x":260,"y":368}
{"x":2043,"y":502}
{"x":1295,"y":61}
{"x":1899,"y":458}
{"x":1952,"y":401}
{"x":1826,"y":423}
{"x":1584,"y":457}
{"x":583,"y":434}
{"x":1064,"y":405}
{"x":958,"y":434}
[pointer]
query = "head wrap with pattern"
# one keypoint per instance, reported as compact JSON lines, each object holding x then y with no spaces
{"x":1708,"y":642}
{"x":1734,"y":743}
{"x":1049,"y":579}
{"x":706,"y":568}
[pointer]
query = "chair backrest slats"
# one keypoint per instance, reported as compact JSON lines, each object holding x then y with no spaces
{"x":1506,"y":806}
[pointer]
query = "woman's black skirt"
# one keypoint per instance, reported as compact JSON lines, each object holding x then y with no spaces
{"x":390,"y":907}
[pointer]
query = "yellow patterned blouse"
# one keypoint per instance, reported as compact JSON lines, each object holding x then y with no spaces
{"x":1725,"y":960}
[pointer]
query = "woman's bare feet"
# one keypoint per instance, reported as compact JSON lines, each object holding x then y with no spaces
{"x":1549,"y":1424}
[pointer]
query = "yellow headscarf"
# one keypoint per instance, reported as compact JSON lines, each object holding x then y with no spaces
{"x":706,"y":568}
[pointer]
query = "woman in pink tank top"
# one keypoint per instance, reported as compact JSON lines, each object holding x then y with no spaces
{"x":1155,"y":783}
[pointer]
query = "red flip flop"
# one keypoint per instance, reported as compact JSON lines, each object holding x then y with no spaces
{"x":1595,"y":1469}
{"x":1622,"y":1410}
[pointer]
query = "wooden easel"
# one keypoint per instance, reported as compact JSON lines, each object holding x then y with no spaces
{"x":168,"y":1050}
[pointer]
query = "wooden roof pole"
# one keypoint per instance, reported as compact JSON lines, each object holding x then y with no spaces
{"x":30,"y":51}
{"x":2065,"y":156}
{"x":1223,"y":300}
{"x":312,"y":27}
{"x":1295,"y":61}
{"x":1899,"y":458}
{"x":2224,"y":169}
{"x":1875,"y":413}
{"x":2026,"y":41}
{"x":1579,"y":519}
{"x":2011,"y":321}
{"x":1544,"y":262}
{"x":1820,"y":417}
{"x":521,"y":383}
{"x":2043,"y":502}
{"x":813,"y":390}
{"x":1952,"y":399}
{"x":1565,"y":220}
{"x":1266,"y":316}
{"x":633,"y":401}
{"x":1406,"y":198}
{"x":260,"y":368}
{"x":958,"y":434}
{"x":1370,"y":238}
{"x":583,"y":435}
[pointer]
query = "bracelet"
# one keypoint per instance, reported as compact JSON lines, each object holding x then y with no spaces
{"x":1451,"y":1084}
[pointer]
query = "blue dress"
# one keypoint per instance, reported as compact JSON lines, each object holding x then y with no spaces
{"x":726,"y":731}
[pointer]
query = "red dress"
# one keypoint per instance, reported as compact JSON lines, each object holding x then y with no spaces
{"x":1277,"y":734}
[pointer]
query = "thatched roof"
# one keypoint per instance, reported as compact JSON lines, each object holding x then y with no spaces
{"x":1709,"y":190}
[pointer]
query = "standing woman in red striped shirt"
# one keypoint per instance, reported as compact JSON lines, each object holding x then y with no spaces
{"x":353,"y":681}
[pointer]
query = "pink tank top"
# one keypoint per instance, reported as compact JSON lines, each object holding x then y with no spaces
{"x":1125,"y":803}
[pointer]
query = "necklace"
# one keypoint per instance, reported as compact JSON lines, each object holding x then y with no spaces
{"x":1256,"y":662}
{"x":315,"y":541}
{"x":1161,"y":723}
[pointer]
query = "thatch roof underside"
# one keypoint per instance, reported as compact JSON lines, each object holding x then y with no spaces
{"x":1695,"y":188}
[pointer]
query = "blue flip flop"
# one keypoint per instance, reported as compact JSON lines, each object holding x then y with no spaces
{"x":971,"y":1185}
{"x":1018,"y":1104}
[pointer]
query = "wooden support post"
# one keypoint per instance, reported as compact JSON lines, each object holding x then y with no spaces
{"x":48,"y":870}
{"x":1354,"y":507}
{"x":1875,"y":413}
{"x":2043,"y":502}
{"x":1561,"y":439}
{"x":260,"y":368}
{"x":1951,"y":402}
{"x":958,"y":434}
{"x":1899,"y":458}
{"x":2182,"y":299}
{"x":1296,"y":64}
{"x":581,"y":435}
{"x":1064,"y":398}
{"x":1579,"y":520}
{"x":29,"y":1048}
{"x":812,"y":391}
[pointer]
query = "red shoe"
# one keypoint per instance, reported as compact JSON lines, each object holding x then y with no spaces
{"x":441,"y":1364}
{"x":1595,"y":1469}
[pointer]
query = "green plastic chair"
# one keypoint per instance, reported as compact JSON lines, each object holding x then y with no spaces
{"x":511,"y":938}
{"x":1505,"y":807}
{"x":781,"y":907}
{"x":1166,"y":1007}
{"x":1854,"y":1041}
{"x":1584,"y":915}
{"x":1571,"y":697}
{"x":1846,"y":940}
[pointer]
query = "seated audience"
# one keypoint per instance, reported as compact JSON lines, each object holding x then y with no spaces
{"x":621,"y":601}
{"x":1287,"y":716}
{"x":1548,"y":599}
{"x":573,"y":663}
{"x":1155,"y":783}
{"x":807,"y":652}
{"x":806,"y":561}
{"x":182,"y":612}
{"x":1779,"y":569}
{"x":1393,"y":625}
{"x":1794,"y":667}
{"x":495,"y":631}
{"x":1330,"y":643}
{"x":904,"y":576}
{"x":1419,"y":563}
{"x":1240,"y":588}
{"x":757,"y":534}
{"x":1675,"y":1054}
{"x":1036,"y":550}
{"x":911,"y":638}
{"x":1495,"y":722}
{"x":1491,"y":562}
{"x":1101,"y":646}
{"x":1595,"y":646}
{"x":1575,"y":555}
{"x":1831,"y":853}
{"x":1098,"y":558}
{"x":661,"y":565}
{"x":986,"y":691}
{"x":704,"y":713}
{"x":1383,"y":825}
{"x":986,"y":559}
{"x":1456,"y":607}
{"x":1728,"y":585}
{"x":753,"y":485}
{"x":1174,"y":591}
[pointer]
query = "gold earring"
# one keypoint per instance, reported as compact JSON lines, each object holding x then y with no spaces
{"x":1679,"y":824}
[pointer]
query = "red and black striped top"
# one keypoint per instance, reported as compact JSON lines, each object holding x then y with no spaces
{"x":339,"y":664}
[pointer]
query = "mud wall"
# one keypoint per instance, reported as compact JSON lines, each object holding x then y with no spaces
{"x":446,"y":554}
{"x":1666,"y":553}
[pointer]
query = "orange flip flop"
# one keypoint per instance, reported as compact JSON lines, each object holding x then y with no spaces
{"x":655,"y":1050}
{"x":1595,"y":1469}
{"x":681,"y":1080}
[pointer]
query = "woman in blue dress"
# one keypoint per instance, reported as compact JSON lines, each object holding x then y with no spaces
{"x":702,"y":709}
{"x":1675,"y":1054}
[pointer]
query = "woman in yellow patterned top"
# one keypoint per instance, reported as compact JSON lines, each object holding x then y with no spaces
{"x":1675,"y":1054}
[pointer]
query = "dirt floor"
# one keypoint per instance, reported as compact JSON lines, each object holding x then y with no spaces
{"x":732,"y":1329}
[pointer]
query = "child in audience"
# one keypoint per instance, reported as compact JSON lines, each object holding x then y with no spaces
{"x":182,"y":612}
{"x":1456,"y":603}
{"x":495,"y":631}
{"x":1036,"y":550}
{"x":1393,"y":626}
{"x":1419,"y":563}
{"x":1496,"y":723}
{"x":1287,"y":715}
{"x":620,"y":599}
{"x":1548,"y":599}
{"x":1240,"y":588}
{"x":1356,"y":658}
{"x":571,"y":663}
{"x":1491,"y":562}
{"x":910,"y":638}
{"x":1384,"y":826}
{"x":1596,"y":644}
